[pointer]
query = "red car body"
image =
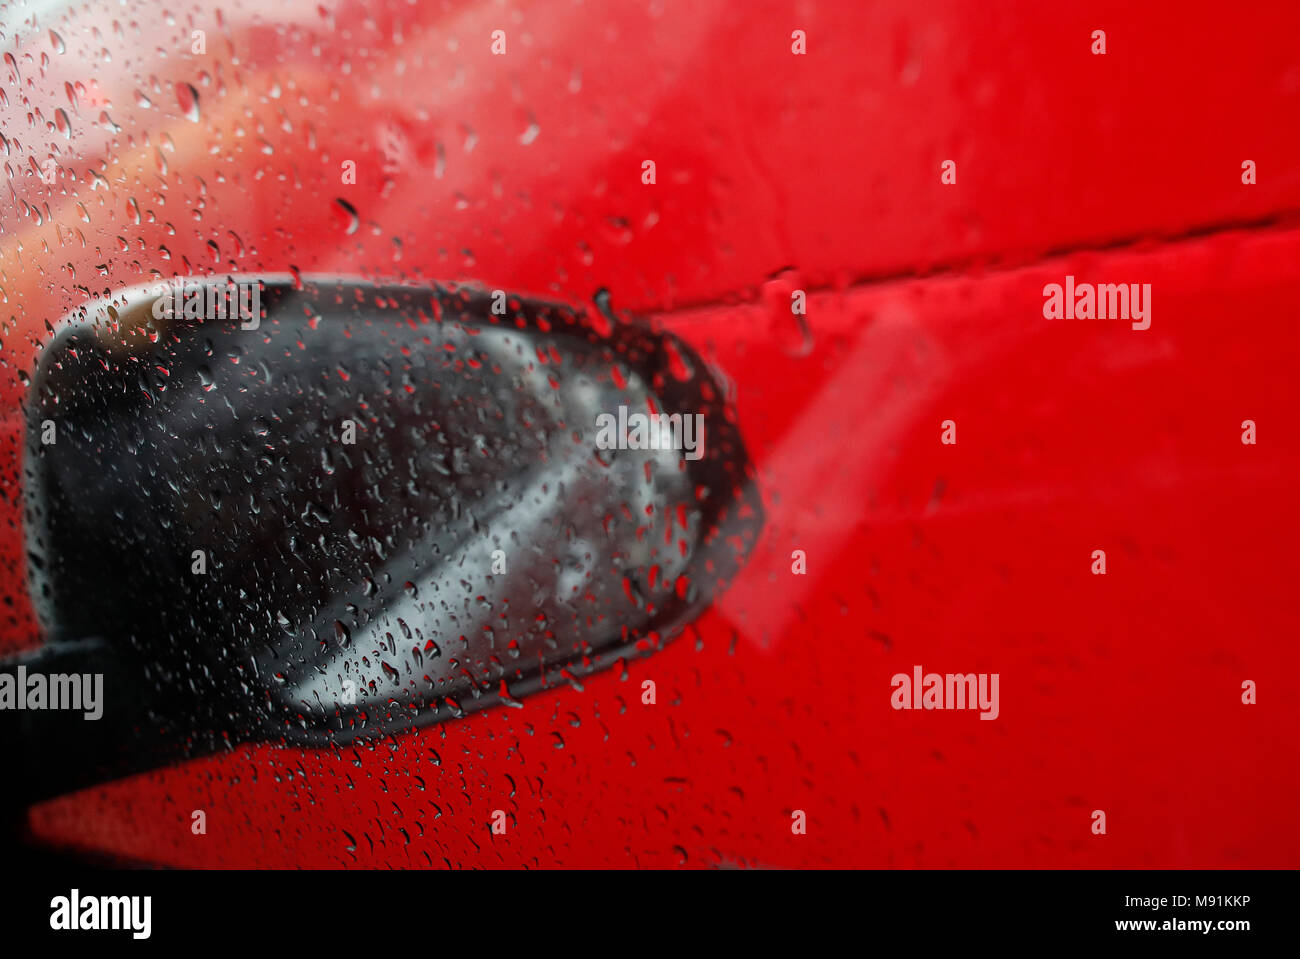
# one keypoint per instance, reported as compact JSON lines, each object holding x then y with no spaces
{"x":775,"y":172}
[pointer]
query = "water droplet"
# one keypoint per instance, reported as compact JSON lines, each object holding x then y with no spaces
{"x":342,"y":636}
{"x":784,"y":294}
{"x":346,"y":216}
{"x":603,"y":319}
{"x":188,"y":99}
{"x":529,"y":135}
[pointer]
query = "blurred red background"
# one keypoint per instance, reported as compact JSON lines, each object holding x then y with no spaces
{"x":775,"y":172}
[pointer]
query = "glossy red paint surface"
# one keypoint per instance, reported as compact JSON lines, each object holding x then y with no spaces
{"x":775,"y":172}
